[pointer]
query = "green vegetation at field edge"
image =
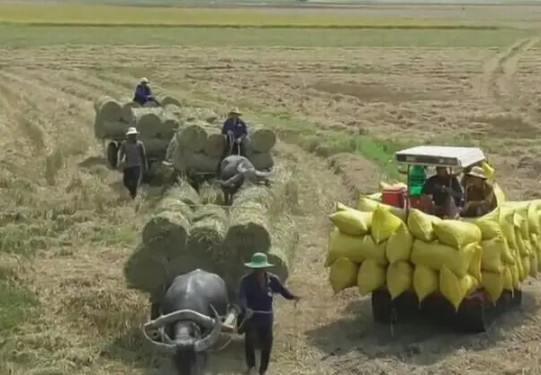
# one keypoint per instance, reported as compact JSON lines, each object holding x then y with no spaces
{"x":27,"y":36}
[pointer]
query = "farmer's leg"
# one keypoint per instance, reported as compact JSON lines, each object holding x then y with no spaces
{"x":127,"y":177}
{"x":249,"y":345}
{"x":242,"y":148}
{"x":266,"y":339}
{"x":225,"y":153}
{"x":137,"y":177}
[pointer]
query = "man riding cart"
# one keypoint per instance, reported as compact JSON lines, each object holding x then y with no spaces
{"x":143,"y":94}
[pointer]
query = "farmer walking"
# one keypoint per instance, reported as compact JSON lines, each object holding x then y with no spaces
{"x":255,"y":298}
{"x":133,"y":153}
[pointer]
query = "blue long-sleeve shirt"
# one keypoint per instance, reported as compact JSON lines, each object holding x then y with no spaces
{"x":254,"y":297}
{"x":237,"y":126}
{"x":143,"y":94}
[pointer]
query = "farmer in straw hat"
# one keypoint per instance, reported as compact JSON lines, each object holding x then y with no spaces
{"x":480,"y":197}
{"x":235,"y":131}
{"x":143,"y":93}
{"x":255,"y":297}
{"x":135,"y":160}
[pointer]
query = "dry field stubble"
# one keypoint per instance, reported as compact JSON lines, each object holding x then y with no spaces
{"x":67,"y":228}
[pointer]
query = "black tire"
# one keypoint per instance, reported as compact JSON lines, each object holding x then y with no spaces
{"x":112,"y":154}
{"x":471,"y":318}
{"x":381,"y":306}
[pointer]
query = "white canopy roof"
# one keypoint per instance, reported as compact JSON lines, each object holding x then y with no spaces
{"x":441,"y":156}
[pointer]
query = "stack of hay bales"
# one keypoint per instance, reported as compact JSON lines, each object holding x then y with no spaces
{"x":157,"y":125}
{"x":374,"y":247}
{"x":183,"y":234}
{"x":198,"y":146}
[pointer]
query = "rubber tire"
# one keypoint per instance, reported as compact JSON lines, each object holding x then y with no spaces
{"x":470,"y":318}
{"x":112,"y":154}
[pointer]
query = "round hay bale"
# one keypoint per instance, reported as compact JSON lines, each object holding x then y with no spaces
{"x":173,"y":109}
{"x":262,"y":160}
{"x":126,"y":112}
{"x":208,"y":233}
{"x":200,"y":114}
{"x":215,"y":143}
{"x":166,"y":100}
{"x":170,"y":224}
{"x":146,"y":271}
{"x":108,"y":108}
{"x":285,"y":238}
{"x":155,"y":146}
{"x":202,"y":163}
{"x":249,"y":229}
{"x":192,"y":136}
{"x":263,"y":139}
{"x":147,"y":120}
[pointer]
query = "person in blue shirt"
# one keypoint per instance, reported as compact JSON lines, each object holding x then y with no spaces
{"x":255,"y":298}
{"x":143,"y":93}
{"x":235,"y":132}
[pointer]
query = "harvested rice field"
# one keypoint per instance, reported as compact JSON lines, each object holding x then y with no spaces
{"x":342,"y":101}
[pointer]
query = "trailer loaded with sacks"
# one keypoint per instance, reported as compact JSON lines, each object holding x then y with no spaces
{"x":462,"y":272}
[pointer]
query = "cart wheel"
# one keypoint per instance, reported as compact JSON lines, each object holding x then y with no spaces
{"x":381,"y":306}
{"x":470,"y":317}
{"x":112,"y":154}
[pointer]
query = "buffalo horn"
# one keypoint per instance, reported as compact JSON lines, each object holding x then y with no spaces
{"x":203,"y":344}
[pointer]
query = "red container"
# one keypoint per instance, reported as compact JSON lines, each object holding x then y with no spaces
{"x":394,"y":196}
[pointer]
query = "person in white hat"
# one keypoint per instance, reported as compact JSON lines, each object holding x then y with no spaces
{"x":480,"y":197}
{"x":235,"y":132}
{"x":143,"y":93}
{"x":134,"y":156}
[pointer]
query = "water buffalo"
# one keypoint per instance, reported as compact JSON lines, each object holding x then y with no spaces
{"x":236,"y":170}
{"x":186,"y":330}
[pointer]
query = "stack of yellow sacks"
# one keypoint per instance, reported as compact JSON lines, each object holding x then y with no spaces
{"x":377,"y":246}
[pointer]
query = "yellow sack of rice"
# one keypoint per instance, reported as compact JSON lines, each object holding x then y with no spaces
{"x":508,"y":279}
{"x":515,"y":275}
{"x":456,"y":233}
{"x":489,"y":227}
{"x":399,"y":278}
{"x":341,"y":207}
{"x":526,"y":267}
{"x":425,"y":281}
{"x":475,"y":266}
{"x":495,"y":254}
{"x":453,"y":288}
{"x":534,"y":265}
{"x":489,"y":171}
{"x":421,"y":225}
{"x":355,"y":248}
{"x":384,"y":224}
{"x":493,"y":282}
{"x":371,"y":276}
{"x":533,"y":218}
{"x":500,"y":195}
{"x":369,"y":205}
{"x":524,"y":247}
{"x":343,"y":274}
{"x":352,"y":222}
{"x":436,"y":256}
{"x":399,"y":245}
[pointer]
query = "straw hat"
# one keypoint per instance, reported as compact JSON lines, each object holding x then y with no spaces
{"x":235,"y":111}
{"x":144,"y":80}
{"x":477,"y":172}
{"x":132,"y":130}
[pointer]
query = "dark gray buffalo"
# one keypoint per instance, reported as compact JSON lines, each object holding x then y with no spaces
{"x":236,"y":170}
{"x":186,"y":330}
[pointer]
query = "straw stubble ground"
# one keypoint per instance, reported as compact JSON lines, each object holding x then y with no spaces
{"x":68,"y":228}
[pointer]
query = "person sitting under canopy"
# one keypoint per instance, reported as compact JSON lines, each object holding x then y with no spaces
{"x":443,"y":194}
{"x":480,"y":197}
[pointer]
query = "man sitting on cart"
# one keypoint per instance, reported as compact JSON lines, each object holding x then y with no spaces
{"x":235,"y":131}
{"x":143,"y":93}
{"x":480,"y":197}
{"x":443,"y":194}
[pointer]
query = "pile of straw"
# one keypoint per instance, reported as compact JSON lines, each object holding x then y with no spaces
{"x":198,"y":146}
{"x":157,"y":125}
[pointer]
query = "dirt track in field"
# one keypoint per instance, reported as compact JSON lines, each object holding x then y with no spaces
{"x":63,"y":203}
